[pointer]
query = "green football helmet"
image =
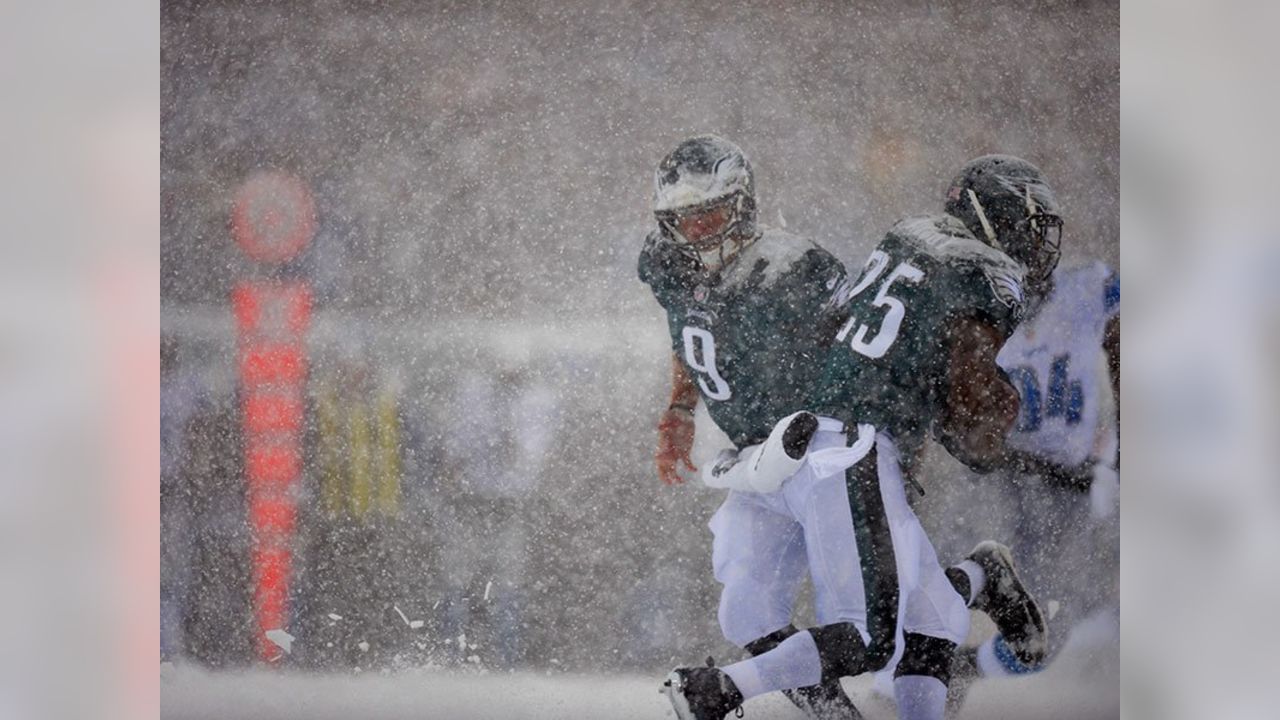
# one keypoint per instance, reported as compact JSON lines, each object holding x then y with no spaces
{"x":1006,"y":202}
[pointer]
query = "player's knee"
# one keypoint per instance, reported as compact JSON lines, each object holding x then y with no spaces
{"x":927,"y":656}
{"x":879,"y":649}
{"x":741,"y":634}
{"x":879,"y":653}
{"x":764,"y":644}
{"x":841,"y":650}
{"x":744,"y":618}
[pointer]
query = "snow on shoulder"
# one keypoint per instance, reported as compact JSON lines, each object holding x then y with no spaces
{"x":947,"y":239}
{"x":780,"y":251}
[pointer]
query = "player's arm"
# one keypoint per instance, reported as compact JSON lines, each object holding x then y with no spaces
{"x":981,"y":408}
{"x":980,"y":404}
{"x":675,"y":427}
{"x":1074,"y":477}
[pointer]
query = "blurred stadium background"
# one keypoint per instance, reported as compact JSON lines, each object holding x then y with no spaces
{"x":481,"y":176}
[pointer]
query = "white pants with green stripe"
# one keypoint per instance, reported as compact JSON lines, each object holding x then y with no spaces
{"x":765,"y":542}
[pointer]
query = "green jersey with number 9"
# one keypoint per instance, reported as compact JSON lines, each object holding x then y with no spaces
{"x":753,"y":335}
{"x":887,"y":364}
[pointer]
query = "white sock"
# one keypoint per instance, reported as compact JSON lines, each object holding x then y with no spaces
{"x":977,"y":578}
{"x":920,"y":697}
{"x":793,"y":664}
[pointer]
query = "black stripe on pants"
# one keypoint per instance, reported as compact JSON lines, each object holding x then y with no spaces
{"x":876,"y":552}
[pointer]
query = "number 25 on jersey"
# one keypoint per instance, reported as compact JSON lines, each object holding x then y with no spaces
{"x":877,"y":346}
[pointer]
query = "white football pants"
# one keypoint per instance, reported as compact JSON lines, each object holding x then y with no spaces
{"x":764,"y":542}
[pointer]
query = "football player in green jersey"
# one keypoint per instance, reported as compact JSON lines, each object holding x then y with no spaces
{"x":914,"y":355}
{"x":750,"y":315}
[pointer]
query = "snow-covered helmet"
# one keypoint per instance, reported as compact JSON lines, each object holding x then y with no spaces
{"x":1006,"y":202}
{"x":703,"y":176}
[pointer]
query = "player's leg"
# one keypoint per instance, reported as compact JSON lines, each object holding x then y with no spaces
{"x":757,"y":555}
{"x":921,"y":619}
{"x":793,"y":662}
{"x":759,"y":558}
{"x":805,"y":659}
{"x":821,"y":504}
{"x":989,"y":580}
{"x":1059,"y":560}
{"x":990,"y":508}
{"x":878,"y":546}
{"x":824,"y":701}
{"x":923,"y":675}
{"x":1005,"y":599}
{"x":1020,"y":644}
{"x":992,"y":583}
{"x":839,"y":537}
{"x":935,"y":618}
{"x":791,"y":439}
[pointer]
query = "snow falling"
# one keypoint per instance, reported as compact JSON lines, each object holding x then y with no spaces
{"x":480,"y":370}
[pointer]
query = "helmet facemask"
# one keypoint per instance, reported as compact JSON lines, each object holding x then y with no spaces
{"x":1035,"y":241}
{"x":704,"y":200}
{"x":1037,"y":236}
{"x":1044,"y":231}
{"x":712,"y":233}
{"x":1006,"y":202}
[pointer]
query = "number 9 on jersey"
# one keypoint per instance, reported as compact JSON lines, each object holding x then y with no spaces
{"x":700,"y":354}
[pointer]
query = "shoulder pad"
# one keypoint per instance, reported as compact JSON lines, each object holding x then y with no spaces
{"x":773,"y":253}
{"x":947,"y":240}
{"x":940,"y":236}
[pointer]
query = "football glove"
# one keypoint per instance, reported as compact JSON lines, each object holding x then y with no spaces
{"x":675,"y":442}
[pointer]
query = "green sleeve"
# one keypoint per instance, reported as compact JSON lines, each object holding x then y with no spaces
{"x":664,"y":269}
{"x":989,"y":292}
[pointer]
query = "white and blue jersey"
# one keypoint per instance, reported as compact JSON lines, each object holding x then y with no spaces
{"x":1055,"y":360}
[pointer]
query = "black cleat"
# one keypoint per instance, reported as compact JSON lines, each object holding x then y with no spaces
{"x":795,"y":440}
{"x":702,"y":693}
{"x":827,"y":701}
{"x":1006,"y":601}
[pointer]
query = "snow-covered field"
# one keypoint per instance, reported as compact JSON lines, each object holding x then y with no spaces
{"x":1081,"y":684}
{"x":196,"y":695}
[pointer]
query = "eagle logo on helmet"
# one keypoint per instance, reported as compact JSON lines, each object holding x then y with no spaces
{"x":704,"y":200}
{"x":1006,"y":286}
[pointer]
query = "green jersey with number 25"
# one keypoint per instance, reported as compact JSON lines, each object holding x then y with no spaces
{"x":753,"y":336}
{"x":887,"y":364}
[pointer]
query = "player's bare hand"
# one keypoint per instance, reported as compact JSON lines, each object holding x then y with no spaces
{"x":675,"y":442}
